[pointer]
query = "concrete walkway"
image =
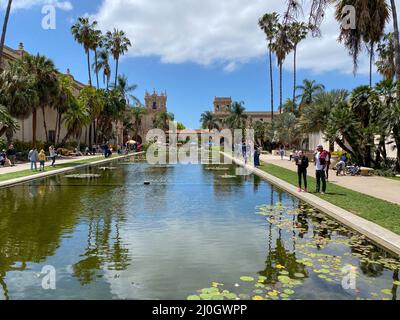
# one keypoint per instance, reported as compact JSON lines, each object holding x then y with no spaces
{"x":374,"y":232}
{"x":378,"y":187}
{"x":26,"y":166}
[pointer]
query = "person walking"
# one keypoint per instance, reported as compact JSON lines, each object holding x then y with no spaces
{"x":53,"y":155}
{"x":320,"y":168}
{"x":302,"y":163}
{"x":328,"y":164}
{"x":42,"y":160}
{"x":257,"y":153}
{"x":282,"y":151}
{"x":33,"y":158}
{"x":12,"y":155}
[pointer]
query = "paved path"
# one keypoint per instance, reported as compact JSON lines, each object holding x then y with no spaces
{"x":378,"y":187}
{"x":26,"y":166}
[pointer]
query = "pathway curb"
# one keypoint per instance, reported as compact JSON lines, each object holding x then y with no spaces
{"x":377,"y":234}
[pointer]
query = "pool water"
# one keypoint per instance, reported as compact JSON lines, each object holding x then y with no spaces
{"x":193,"y":233}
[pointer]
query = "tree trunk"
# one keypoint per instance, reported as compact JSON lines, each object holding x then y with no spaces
{"x":90,"y":135}
{"x":396,"y":41}
{"x":59,"y":127}
{"x":294,"y":74}
{"x":280,"y":88}
{"x":56,"y":129}
{"x":45,"y":124}
{"x":371,"y":60}
{"x":90,"y":74}
{"x":96,"y":69}
{"x":66,"y":138}
{"x":3,"y":34}
{"x":116,"y":71}
{"x":34,"y":124}
{"x":272,"y":82}
{"x":3,"y":131}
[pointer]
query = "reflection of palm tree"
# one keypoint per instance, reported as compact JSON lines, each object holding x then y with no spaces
{"x":4,"y":285}
{"x":395,"y":286}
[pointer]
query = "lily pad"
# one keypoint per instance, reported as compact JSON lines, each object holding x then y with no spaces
{"x":387,"y":291}
{"x":247,"y":279}
{"x":193,"y":298}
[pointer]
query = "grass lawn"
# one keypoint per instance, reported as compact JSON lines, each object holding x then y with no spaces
{"x":379,"y":211}
{"x":28,"y":172}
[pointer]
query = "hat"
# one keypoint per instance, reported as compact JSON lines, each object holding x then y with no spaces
{"x":320,"y":147}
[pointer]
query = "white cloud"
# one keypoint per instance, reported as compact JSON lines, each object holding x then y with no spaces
{"x":216,"y":32}
{"x":27,"y":4}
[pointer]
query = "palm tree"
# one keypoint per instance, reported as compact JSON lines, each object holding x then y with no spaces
{"x":82,"y":31}
{"x":7,"y":122}
{"x":118,"y":44}
{"x":103,"y":64}
{"x":386,"y":63}
{"x":237,"y":118}
{"x":97,"y":42}
{"x":282,"y":46}
{"x":126,"y":89}
{"x":396,"y":40}
{"x":314,"y":117}
{"x":297,"y":32}
{"x":268,"y":23}
{"x":94,"y":101}
{"x":76,"y":118}
{"x":63,"y":101}
{"x":162,"y":120}
{"x":137,"y":114}
{"x":44,"y":74}
{"x":209,"y":120}
{"x":309,"y":89}
{"x":3,"y":34}
{"x":372,"y":17}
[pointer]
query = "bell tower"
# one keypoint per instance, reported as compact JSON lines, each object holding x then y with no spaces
{"x":222,"y":105}
{"x":156,"y":102}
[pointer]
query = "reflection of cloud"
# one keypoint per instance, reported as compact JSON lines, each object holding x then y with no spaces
{"x":27,"y":4}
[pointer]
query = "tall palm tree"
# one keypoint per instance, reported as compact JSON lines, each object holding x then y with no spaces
{"x":97,"y":43}
{"x":282,"y":46}
{"x":3,"y":34}
{"x":82,"y":32}
{"x":118,"y":44}
{"x":269,"y":23}
{"x":309,"y":89}
{"x":396,"y":40}
{"x":209,"y":121}
{"x":63,"y":101}
{"x":104,"y":64}
{"x":372,"y":17}
{"x":297,"y":32}
{"x":44,"y":74}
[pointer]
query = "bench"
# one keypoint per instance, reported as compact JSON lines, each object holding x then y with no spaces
{"x":365,"y":172}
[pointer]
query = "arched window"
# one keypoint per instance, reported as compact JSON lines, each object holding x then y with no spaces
{"x":154,"y":105}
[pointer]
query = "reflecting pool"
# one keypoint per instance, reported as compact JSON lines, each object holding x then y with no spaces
{"x":195,"y":232}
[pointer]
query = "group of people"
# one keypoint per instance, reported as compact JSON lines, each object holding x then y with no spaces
{"x":34,"y":157}
{"x":322,"y":160}
{"x":8,"y":157}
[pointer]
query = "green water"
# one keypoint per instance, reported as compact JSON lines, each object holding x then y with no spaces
{"x":189,"y":230}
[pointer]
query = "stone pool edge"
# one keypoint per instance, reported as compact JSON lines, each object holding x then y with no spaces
{"x":22,"y":180}
{"x":377,"y":234}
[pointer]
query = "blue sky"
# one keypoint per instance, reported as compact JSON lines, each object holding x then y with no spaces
{"x":193,"y":55}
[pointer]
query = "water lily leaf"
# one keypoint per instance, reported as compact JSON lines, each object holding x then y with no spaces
{"x":258,"y":291}
{"x":387,"y":291}
{"x":396,"y":283}
{"x":247,"y":279}
{"x":299,"y":275}
{"x":288,"y":291}
{"x":205,"y":296}
{"x":284,"y":272}
{"x":209,"y":290}
{"x":193,"y":297}
{"x":258,"y":298}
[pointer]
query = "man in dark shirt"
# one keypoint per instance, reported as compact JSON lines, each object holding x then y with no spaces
{"x":12,"y":154}
{"x":302,"y":163}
